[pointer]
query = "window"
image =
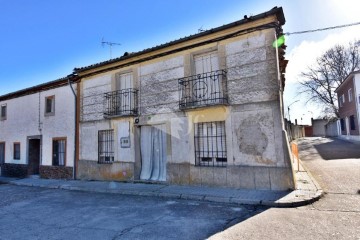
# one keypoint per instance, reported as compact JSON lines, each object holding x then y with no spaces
{"x":340,"y":101}
{"x":342,"y":123}
{"x":210,"y":144}
{"x":208,"y":84}
{"x":350,"y":94}
{"x":17,"y":151}
{"x":106,"y":146}
{"x":352,"y":122}
{"x":59,"y":152}
{"x":3,"y":112}
{"x":50,"y":105}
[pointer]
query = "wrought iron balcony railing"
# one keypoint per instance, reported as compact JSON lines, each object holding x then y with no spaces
{"x":121,"y":103}
{"x":203,"y":89}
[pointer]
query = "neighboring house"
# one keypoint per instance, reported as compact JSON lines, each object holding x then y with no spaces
{"x":318,"y":127}
{"x":204,"y":109}
{"x":349,"y":102}
{"x":37,"y":127}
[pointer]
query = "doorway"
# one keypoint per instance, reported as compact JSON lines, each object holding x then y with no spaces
{"x":34,"y":149}
{"x":153,"y":152}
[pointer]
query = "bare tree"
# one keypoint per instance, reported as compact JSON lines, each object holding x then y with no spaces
{"x":320,"y":80}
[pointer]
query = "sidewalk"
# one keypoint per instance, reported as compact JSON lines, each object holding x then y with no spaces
{"x":307,"y":190}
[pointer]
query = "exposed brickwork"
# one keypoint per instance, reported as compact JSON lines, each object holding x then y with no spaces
{"x":14,"y":170}
{"x":348,"y":108}
{"x":56,"y":172}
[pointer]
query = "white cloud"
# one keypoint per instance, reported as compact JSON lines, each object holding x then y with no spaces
{"x":305,"y":54}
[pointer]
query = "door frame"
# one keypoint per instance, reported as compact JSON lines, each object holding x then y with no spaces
{"x":38,"y":137}
{"x":139,"y":157}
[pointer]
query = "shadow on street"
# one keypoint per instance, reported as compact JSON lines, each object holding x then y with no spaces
{"x":332,"y":149}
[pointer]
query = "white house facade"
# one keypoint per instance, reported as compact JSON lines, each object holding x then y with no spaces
{"x":202,"y":110}
{"x":37,"y":130}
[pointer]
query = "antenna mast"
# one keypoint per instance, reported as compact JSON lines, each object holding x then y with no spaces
{"x":110,"y":44}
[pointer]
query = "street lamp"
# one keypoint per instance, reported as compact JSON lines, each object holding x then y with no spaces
{"x":289,"y":108}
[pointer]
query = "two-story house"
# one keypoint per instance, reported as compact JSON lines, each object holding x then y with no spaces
{"x":205,"y":109}
{"x":37,"y":131}
{"x":349,"y":102}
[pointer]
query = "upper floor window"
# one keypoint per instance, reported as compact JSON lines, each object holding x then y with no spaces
{"x":3,"y":112}
{"x":350,"y":95}
{"x":123,"y":101}
{"x":342,"y":100}
{"x":17,"y":151}
{"x":207,"y":86}
{"x":50,"y":105}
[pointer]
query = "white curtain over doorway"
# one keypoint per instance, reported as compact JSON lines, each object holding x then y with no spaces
{"x":153,"y":153}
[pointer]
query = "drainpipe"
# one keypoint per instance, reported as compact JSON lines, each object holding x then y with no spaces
{"x":75,"y":132}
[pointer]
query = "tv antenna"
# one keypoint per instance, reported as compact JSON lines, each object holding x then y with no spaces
{"x":110,"y":44}
{"x":201,"y":29}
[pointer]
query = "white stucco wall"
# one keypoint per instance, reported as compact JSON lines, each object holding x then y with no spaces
{"x":24,"y":116}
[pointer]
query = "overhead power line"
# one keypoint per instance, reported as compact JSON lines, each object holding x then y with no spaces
{"x":322,"y":29}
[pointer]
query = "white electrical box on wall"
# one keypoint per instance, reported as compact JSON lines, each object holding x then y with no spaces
{"x":125,"y":142}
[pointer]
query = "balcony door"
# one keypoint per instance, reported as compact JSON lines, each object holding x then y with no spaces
{"x":124,"y":86}
{"x":206,"y":89}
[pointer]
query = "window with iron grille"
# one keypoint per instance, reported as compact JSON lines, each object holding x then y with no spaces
{"x":17,"y":151}
{"x":352,"y":122}
{"x":208,"y":85}
{"x":59,"y":152}
{"x":106,"y":146}
{"x":210,"y":144}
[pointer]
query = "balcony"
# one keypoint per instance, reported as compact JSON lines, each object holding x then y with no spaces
{"x":121,"y":103}
{"x":204,"y":89}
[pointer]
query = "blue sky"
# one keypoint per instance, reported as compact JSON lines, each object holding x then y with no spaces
{"x":42,"y":40}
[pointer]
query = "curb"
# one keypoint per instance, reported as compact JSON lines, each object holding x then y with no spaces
{"x":185,"y":196}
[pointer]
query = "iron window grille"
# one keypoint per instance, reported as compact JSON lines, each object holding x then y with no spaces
{"x":121,"y":103}
{"x":59,"y":152}
{"x":17,"y":151}
{"x":106,"y":146}
{"x":210,"y":144}
{"x":203,"y":89}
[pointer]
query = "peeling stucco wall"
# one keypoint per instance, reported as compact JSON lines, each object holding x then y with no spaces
{"x":253,"y":118}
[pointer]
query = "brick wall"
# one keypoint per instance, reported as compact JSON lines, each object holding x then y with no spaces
{"x":348,"y":108}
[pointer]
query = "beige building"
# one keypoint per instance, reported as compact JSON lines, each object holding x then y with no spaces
{"x":201,"y":110}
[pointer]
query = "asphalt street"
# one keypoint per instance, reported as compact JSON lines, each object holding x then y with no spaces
{"x":37,"y":213}
{"x":335,"y":164}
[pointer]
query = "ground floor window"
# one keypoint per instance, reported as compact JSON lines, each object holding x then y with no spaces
{"x":17,"y":151}
{"x":352,"y":122}
{"x":106,"y":146}
{"x":210,"y":144}
{"x":59,"y":151}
